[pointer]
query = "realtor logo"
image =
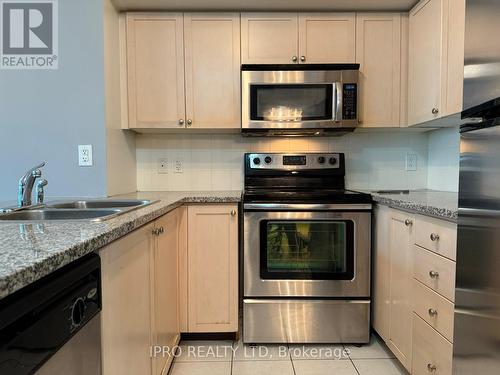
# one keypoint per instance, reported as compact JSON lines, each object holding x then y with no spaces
{"x":29,"y":37}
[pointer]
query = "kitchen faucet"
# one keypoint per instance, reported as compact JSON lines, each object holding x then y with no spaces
{"x":26,"y":184}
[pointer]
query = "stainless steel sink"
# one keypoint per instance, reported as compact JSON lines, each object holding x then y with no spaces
{"x":79,"y":210}
{"x":100,"y":203}
{"x":55,"y":214}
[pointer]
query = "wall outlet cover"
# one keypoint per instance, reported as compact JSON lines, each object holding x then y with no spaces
{"x":411,"y":161}
{"x":162,"y":166}
{"x":85,"y":156}
{"x":178,"y":166}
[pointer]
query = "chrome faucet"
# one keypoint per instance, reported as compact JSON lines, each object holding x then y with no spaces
{"x":26,"y":184}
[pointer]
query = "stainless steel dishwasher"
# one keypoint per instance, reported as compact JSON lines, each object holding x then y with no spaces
{"x":53,"y":325}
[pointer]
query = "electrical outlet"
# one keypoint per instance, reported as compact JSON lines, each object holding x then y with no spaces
{"x":162,"y":166}
{"x":85,"y":156}
{"x":411,"y":161}
{"x":178,"y":166}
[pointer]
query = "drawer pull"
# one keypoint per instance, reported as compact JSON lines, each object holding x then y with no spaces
{"x":408,"y":222}
{"x":432,"y":312}
{"x":431,"y":367}
{"x":434,"y":237}
{"x":434,"y":274}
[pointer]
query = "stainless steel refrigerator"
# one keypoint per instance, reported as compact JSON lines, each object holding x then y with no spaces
{"x":477,"y":299}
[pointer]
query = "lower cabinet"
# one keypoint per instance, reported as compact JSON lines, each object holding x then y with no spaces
{"x":126,"y":304}
{"x":414,"y":289}
{"x":209,"y":280}
{"x":140,"y":299}
{"x":393,"y":281}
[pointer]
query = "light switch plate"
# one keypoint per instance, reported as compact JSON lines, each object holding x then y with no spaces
{"x":411,"y":161}
{"x":162,"y":166}
{"x":85,"y":156}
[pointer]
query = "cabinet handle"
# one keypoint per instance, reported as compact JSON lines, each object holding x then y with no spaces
{"x":161,"y":230}
{"x":408,"y":222}
{"x":156,"y":232}
{"x":233,"y":212}
{"x":434,"y":237}
{"x":302,"y":58}
{"x":432,"y":312}
{"x":294,"y":58}
{"x":189,"y":122}
{"x":434,"y":274}
{"x":431,"y":367}
{"x":181,"y":122}
{"x":435,"y":111}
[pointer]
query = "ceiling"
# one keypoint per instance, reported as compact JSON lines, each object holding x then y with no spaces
{"x":266,"y":5}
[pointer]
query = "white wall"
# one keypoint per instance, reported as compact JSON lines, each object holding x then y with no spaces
{"x":443,"y":159}
{"x":215,"y":162}
{"x":45,"y":114}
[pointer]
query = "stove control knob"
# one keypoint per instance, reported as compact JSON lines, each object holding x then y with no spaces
{"x":268,"y":160}
{"x":321,"y":159}
{"x":256,"y":161}
{"x":332,"y":161}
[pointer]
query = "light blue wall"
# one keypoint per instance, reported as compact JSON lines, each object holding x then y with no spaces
{"x":443,"y":159}
{"x":45,"y":114}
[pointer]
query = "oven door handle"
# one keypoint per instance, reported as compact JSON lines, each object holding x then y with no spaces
{"x":305,"y":207}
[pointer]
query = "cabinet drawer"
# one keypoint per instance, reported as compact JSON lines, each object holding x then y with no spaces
{"x":434,"y":309}
{"x":437,"y":235}
{"x":432,"y":353}
{"x":434,"y":271}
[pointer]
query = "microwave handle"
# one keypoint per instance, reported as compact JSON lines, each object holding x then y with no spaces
{"x":337,"y":104}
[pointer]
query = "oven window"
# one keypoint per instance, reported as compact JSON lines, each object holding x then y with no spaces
{"x":289,"y":103}
{"x":305,"y":249}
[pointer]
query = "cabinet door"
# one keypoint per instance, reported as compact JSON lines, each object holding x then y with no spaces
{"x":381,"y":272}
{"x":378,"y":51}
{"x":212,"y":52}
{"x":126,"y":304}
{"x":327,"y":37}
{"x":400,"y":238}
{"x":155,"y":63}
{"x":269,"y":38}
{"x":426,"y":58}
{"x":213,"y":268}
{"x":166,"y":330}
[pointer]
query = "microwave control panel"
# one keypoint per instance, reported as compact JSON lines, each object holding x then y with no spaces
{"x":350,"y":101}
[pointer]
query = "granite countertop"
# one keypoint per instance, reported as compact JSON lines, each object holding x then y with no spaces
{"x":32,"y":250}
{"x":439,"y":204}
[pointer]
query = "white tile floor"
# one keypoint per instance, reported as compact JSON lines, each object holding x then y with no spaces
{"x":234,"y":358}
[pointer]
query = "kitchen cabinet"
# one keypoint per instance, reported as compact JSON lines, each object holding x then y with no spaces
{"x":413,"y":288}
{"x":212,"y":63}
{"x":287,"y":38}
{"x":183,"y":70}
{"x":155,"y":70}
{"x":400,"y":276}
{"x":379,"y":38}
{"x":126,"y":303}
{"x":327,"y":37}
{"x":166,"y":330}
{"x":212,"y":268}
{"x":140,"y":298}
{"x":436,"y":59}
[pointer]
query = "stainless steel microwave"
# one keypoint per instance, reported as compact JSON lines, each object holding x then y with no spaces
{"x":309,"y":99}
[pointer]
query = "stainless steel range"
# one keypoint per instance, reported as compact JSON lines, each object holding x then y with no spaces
{"x":306,"y":251}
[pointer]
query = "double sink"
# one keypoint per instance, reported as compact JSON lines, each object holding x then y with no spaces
{"x":79,"y":210}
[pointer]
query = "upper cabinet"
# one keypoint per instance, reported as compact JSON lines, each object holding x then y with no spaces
{"x":183,"y":70}
{"x":327,"y":37}
{"x":379,"y":52}
{"x":436,"y":59}
{"x":155,"y":70}
{"x":212,"y":55}
{"x":287,"y":38}
{"x":269,"y":38}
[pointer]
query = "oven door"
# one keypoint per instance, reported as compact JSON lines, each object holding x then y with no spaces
{"x":307,"y":253}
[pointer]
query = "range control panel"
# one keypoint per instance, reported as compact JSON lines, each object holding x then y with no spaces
{"x":294,"y":161}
